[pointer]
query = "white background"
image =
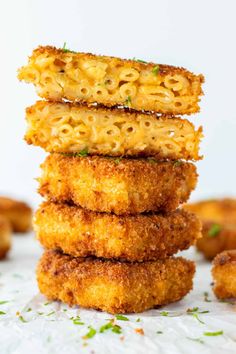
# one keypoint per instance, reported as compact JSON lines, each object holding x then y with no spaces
{"x":199,"y":35}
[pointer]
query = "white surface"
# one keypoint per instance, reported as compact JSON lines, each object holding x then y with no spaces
{"x":199,"y":35}
{"x":56,"y":333}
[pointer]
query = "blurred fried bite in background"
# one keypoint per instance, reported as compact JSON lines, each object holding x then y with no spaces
{"x":218,"y":217}
{"x":18,"y":213}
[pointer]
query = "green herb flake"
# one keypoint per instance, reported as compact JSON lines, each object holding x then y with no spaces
{"x":213,"y":334}
{"x":195,"y":312}
{"x":64,"y":310}
{"x":128,"y":101}
{"x":21,"y":318}
{"x":138,"y":320}
{"x":177,"y":163}
{"x":3,"y":302}
{"x":77,"y":321}
{"x":116,"y":329}
{"x":140,"y":60}
{"x":118,"y":160}
{"x":40,"y":313}
{"x":83,"y":153}
{"x":47,"y":303}
{"x":121,"y":318}
{"x":155,"y":70}
{"x":206,"y":296}
{"x":91,"y":333}
{"x":50,"y":313}
{"x":164,"y":313}
{"x":159,"y":332}
{"x":29,"y":309}
{"x":214,"y":230}
{"x":66,"y":50}
{"x":106,"y":327}
{"x":198,"y":340}
{"x":2,"y":313}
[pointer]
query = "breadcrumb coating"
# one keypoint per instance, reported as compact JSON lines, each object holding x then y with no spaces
{"x":65,"y":127}
{"x":82,"y":77}
{"x":224,"y":274}
{"x":83,"y":233}
{"x":113,"y":286}
{"x":126,"y":186}
{"x":18,"y":213}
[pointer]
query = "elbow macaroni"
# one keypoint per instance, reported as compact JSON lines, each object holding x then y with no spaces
{"x":62,"y":127}
{"x":110,"y":81}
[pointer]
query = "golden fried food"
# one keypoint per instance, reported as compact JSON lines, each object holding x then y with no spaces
{"x":219,"y":225}
{"x":113,"y":286}
{"x":62,"y":74}
{"x":5,"y":236}
{"x":224,"y":274}
{"x":18,"y":213}
{"x":122,"y":186}
{"x":63,"y":127}
{"x":83,"y":233}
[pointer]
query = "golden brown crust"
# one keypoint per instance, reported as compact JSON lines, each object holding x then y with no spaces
{"x":151,"y":135}
{"x":224,"y":238}
{"x":113,"y":286}
{"x":130,"y":186}
{"x":219,"y":225}
{"x":18,"y":213}
{"x":83,"y":233}
{"x":224,"y":274}
{"x":5,"y":236}
{"x":68,"y":71}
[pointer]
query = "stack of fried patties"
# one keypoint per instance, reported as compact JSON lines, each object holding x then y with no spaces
{"x":114,"y":178}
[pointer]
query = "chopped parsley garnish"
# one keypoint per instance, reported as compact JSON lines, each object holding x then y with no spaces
{"x":91,"y":333}
{"x":110,"y":326}
{"x":2,"y":313}
{"x":47,"y":303}
{"x":50,"y":313}
{"x":199,"y":340}
{"x":159,"y":332}
{"x":177,"y":163}
{"x":214,"y":230}
{"x":121,"y":318}
{"x":21,"y":318}
{"x":213,"y":334}
{"x":195,"y":312}
{"x":83,"y":152}
{"x":77,"y":321}
{"x":3,"y":302}
{"x":155,"y":70}
{"x":138,"y":320}
{"x":29,"y":309}
{"x":66,"y":50}
{"x":40,"y":313}
{"x":117,"y":161}
{"x":139,"y":60}
{"x":164,"y":313}
{"x":128,"y":101}
{"x":206,"y":298}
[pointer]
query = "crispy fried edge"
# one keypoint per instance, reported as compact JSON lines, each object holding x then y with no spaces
{"x":133,"y":238}
{"x":107,"y":284}
{"x":5,"y":236}
{"x":224,"y":274}
{"x":131,"y":114}
{"x":139,"y":176}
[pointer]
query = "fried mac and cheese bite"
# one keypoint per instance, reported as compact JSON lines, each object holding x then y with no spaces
{"x":224,"y":274}
{"x":83,"y":233}
{"x":5,"y":236}
{"x":219,"y":225}
{"x":60,"y":74}
{"x":18,"y":213}
{"x":121,"y":186}
{"x":113,"y":286}
{"x":63,"y":127}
